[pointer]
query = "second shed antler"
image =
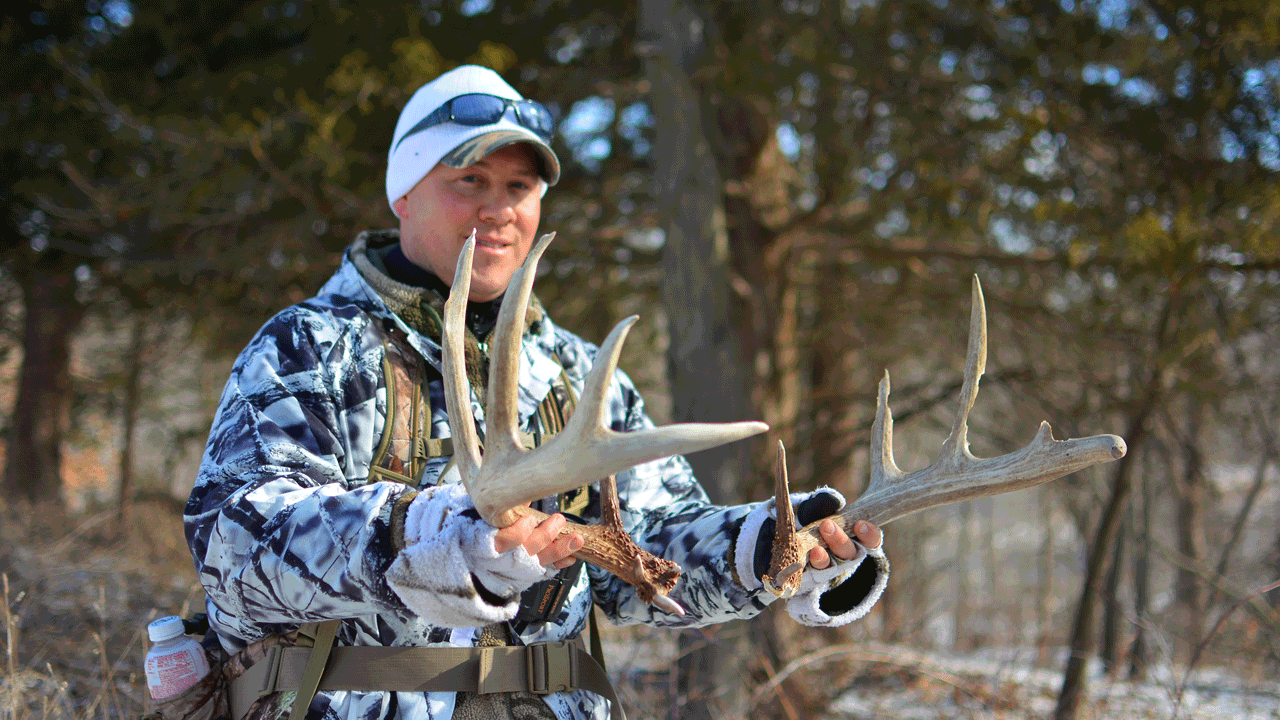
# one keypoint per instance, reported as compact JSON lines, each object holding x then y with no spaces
{"x":585,"y":451}
{"x":957,"y":475}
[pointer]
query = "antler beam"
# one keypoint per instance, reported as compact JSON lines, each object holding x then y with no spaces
{"x":586,"y":450}
{"x":957,"y":475}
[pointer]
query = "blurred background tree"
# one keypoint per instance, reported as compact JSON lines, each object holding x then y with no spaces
{"x":794,"y":195}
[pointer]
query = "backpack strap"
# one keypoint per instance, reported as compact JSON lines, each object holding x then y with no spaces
{"x":323,"y":636}
{"x":539,"y":668}
{"x":405,"y":447}
{"x":597,"y":649}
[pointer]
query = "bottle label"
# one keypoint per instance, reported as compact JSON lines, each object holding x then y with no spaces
{"x":174,"y":672}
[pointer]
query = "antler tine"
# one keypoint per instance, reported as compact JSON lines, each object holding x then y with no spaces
{"x":587,"y":427}
{"x":504,"y":365}
{"x":457,"y":391}
{"x":958,"y":475}
{"x":956,"y":447}
{"x":786,"y":562}
{"x":883,"y":467}
{"x":592,"y":406}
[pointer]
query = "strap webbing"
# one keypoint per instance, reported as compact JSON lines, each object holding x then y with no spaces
{"x":317,"y":658}
{"x":597,"y":649}
{"x":539,"y":668}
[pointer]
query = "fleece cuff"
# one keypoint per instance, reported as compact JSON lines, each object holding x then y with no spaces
{"x":448,"y":550}
{"x":843,"y":592}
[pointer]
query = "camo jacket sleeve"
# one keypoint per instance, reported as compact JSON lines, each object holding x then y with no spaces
{"x":281,"y":525}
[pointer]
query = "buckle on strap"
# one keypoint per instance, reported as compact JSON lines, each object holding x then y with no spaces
{"x":551,"y":667}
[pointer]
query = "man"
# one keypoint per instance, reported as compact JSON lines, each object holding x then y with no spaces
{"x":318,"y":500}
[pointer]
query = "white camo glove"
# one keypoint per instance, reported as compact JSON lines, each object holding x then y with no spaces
{"x":836,"y":595}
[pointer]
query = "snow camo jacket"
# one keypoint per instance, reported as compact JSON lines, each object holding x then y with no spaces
{"x":285,"y":527}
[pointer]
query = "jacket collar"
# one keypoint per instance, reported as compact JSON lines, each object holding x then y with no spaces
{"x":538,"y":359}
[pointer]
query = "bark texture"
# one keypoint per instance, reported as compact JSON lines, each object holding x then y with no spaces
{"x":707,"y":367}
{"x":1100,"y":550}
{"x":42,"y":407}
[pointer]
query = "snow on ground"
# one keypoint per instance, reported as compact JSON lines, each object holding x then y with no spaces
{"x":1009,"y":686}
{"x":880,"y":681}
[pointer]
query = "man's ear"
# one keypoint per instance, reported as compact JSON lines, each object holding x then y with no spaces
{"x":400,"y":206}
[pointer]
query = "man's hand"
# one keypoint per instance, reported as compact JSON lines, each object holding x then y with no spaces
{"x":542,"y":540}
{"x":836,"y":539}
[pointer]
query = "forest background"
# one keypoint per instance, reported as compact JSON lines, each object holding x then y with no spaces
{"x":794,"y":196}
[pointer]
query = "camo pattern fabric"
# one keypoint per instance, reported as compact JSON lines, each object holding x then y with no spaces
{"x":285,"y":527}
{"x":272,"y":705}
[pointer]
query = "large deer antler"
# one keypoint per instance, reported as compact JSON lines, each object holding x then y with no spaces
{"x":956,"y":475}
{"x":584,"y":452}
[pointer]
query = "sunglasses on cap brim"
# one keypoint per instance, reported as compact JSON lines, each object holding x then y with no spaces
{"x":477,"y":109}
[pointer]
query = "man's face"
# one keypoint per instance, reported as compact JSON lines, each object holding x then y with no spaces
{"x":498,"y":196}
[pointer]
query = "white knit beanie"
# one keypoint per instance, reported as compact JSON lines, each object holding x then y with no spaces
{"x":414,"y":154}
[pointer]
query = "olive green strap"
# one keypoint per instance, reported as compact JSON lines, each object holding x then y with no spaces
{"x":539,"y":668}
{"x":432,"y":447}
{"x":326,"y":633}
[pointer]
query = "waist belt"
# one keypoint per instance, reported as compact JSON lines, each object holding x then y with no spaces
{"x":540,"y":668}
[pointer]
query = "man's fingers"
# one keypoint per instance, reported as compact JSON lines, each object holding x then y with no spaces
{"x":544,"y":534}
{"x":837,"y":540}
{"x":542,"y":540}
{"x":513,"y":535}
{"x":868,"y":534}
{"x":819,"y":559}
{"x":560,"y":553}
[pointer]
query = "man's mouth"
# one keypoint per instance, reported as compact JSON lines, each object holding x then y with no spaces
{"x":491,"y":243}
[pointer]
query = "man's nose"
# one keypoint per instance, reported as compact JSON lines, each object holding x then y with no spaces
{"x":497,"y":209}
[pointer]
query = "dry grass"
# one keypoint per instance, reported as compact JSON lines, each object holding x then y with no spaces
{"x":77,"y":595}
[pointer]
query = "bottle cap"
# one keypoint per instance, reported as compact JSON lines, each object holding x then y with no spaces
{"x":165,"y":628}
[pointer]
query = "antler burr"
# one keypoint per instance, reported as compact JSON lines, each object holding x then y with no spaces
{"x":586,"y":450}
{"x":957,"y":475}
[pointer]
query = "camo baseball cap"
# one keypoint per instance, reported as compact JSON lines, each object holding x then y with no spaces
{"x":416,"y":150}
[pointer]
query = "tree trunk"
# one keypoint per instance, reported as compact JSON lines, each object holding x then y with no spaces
{"x":132,"y":400}
{"x":1073,"y":676}
{"x":1044,"y":577}
{"x":995,"y":599}
{"x":1238,"y":526}
{"x":834,"y":380}
{"x":1188,"y":588}
{"x":709,"y":373}
{"x":964,"y":581}
{"x":42,"y":408}
{"x":1142,"y":579}
{"x":1112,"y":620}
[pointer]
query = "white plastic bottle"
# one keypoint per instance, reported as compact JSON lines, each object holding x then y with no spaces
{"x":175,"y":662}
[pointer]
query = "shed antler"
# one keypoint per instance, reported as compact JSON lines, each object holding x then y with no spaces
{"x":584,"y":452}
{"x":956,"y":475}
